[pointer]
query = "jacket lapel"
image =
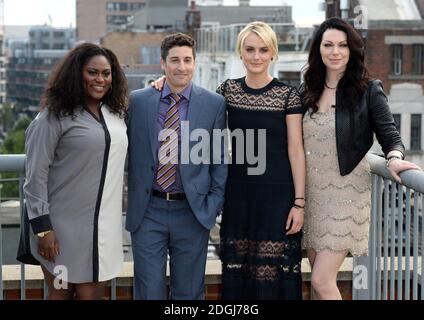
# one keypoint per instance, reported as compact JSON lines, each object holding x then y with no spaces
{"x":152,"y":116}
{"x":195,"y":107}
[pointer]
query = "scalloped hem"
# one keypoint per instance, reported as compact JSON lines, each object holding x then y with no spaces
{"x":355,"y":253}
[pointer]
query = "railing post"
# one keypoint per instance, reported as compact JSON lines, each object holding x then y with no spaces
{"x":1,"y":261}
{"x":21,"y":204}
{"x":368,"y":261}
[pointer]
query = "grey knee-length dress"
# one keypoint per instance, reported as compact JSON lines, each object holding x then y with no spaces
{"x":74,"y":170}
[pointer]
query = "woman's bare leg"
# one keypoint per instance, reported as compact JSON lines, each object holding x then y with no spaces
{"x":54,"y":292}
{"x":324,"y":274}
{"x":311,"y":254}
{"x":90,"y":290}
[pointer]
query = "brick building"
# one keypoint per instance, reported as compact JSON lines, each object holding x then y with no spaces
{"x":394,"y":40}
{"x":138,"y":53}
{"x":394,"y":37}
{"x":95,"y":18}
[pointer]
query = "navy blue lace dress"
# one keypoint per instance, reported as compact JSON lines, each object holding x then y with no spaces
{"x":259,"y":261}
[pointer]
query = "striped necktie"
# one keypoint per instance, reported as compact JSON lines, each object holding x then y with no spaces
{"x":168,"y":151}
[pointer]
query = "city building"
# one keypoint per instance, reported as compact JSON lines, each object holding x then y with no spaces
{"x":2,"y":60}
{"x":167,"y":15}
{"x":15,"y":38}
{"x":138,"y":53}
{"x":95,"y":18}
{"x":2,"y":69}
{"x":216,"y":58}
{"x":29,"y":67}
{"x":394,"y":37}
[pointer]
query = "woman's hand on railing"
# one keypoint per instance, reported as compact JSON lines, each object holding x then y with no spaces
{"x":158,"y":83}
{"x":396,"y":166}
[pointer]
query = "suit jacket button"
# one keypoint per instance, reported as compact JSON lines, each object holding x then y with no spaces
{"x":147,"y":191}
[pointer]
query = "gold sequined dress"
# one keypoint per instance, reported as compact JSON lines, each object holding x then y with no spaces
{"x":337,"y":212}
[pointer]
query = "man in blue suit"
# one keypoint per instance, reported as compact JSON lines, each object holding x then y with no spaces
{"x":173,"y":203}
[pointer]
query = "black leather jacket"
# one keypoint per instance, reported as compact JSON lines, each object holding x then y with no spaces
{"x":355,"y":127}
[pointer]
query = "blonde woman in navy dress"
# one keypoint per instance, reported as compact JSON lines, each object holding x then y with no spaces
{"x":263,"y":214}
{"x":75,"y":150}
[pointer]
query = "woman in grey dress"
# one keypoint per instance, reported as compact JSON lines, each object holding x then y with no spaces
{"x":76,"y":148}
{"x":345,"y":108}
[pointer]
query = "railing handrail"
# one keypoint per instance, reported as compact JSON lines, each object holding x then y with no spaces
{"x":12,"y":163}
{"x":413,"y":179}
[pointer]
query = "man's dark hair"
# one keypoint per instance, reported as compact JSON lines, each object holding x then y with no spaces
{"x":176,"y":40}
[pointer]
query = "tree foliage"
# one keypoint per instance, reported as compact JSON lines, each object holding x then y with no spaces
{"x":13,"y":144}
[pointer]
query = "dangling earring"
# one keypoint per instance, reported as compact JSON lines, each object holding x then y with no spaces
{"x":272,"y":59}
{"x":110,"y":89}
{"x":241,"y":58}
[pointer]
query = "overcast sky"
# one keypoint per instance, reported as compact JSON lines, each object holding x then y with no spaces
{"x":62,"y":12}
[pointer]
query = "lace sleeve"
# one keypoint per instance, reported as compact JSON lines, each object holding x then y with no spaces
{"x":294,"y":102}
{"x":221,"y":89}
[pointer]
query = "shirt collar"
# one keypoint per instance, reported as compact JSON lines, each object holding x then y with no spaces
{"x":185,"y":93}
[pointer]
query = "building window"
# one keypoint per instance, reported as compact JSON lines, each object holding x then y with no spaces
{"x":418,"y":59}
{"x":123,"y":6}
{"x":112,"y":6}
{"x":58,"y":34}
{"x":415,"y":131}
{"x":58,"y":46}
{"x":117,"y":19}
{"x":397,"y":118}
{"x":134,"y":6}
{"x":397,"y":53}
{"x":150,"y":54}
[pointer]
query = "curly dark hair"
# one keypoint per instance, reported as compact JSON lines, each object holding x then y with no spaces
{"x":176,"y":40}
{"x":65,"y":92}
{"x":355,"y":79}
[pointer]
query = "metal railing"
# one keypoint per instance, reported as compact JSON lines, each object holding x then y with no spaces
{"x":219,"y":39}
{"x":16,"y":163}
{"x":393,"y":269}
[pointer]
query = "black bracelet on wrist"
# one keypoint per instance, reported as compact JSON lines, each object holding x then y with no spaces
{"x":298,"y":207}
{"x":389,"y":159}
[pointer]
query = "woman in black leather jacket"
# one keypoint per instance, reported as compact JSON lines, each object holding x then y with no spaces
{"x":344,"y":109}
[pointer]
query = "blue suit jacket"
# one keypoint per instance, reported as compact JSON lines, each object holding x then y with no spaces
{"x":204,"y":184}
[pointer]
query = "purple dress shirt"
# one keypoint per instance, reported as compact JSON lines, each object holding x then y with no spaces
{"x":183,"y":110}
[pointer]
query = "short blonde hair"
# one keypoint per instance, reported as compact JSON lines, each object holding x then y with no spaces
{"x":263,"y":31}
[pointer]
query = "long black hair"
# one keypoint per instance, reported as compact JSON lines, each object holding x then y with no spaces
{"x":355,"y":78}
{"x":65,"y":92}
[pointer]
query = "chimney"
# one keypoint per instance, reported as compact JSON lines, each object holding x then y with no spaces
{"x":193,"y":19}
{"x":344,"y":9}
